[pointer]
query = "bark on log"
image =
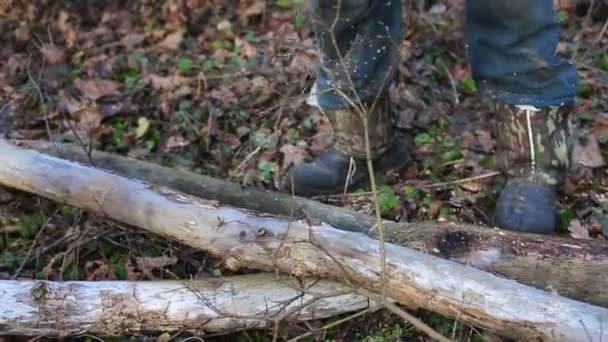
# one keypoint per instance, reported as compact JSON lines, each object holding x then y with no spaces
{"x":302,"y":248}
{"x":574,"y":268}
{"x":30,"y":308}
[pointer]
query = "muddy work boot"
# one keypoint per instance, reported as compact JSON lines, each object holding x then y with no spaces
{"x":343,"y":166}
{"x":533,"y":150}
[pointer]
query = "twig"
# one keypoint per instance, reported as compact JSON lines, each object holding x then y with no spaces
{"x":42,"y":102}
{"x":336,"y":323}
{"x":31,"y":249}
{"x":452,"y":82}
{"x":420,"y":325}
{"x":461,"y":181}
{"x":602,"y":32}
{"x":247,"y":158}
{"x":416,"y":322}
{"x":338,"y":196}
{"x":580,"y":35}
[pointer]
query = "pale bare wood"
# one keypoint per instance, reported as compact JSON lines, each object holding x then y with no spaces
{"x":573,"y":268}
{"x":228,"y":304}
{"x":247,"y":240}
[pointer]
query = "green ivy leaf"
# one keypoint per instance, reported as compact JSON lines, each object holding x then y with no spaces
{"x":29,"y":225}
{"x":184,"y":64}
{"x":388,"y":199}
{"x":423,"y":138}
{"x":468,"y":83}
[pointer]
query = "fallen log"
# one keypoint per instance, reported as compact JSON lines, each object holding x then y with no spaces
{"x":573,"y":268}
{"x":303,"y":248}
{"x":213,"y":305}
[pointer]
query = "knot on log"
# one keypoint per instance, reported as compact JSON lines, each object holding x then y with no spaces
{"x":454,"y":243}
{"x":40,"y":291}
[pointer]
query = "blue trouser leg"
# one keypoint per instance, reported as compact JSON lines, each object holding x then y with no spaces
{"x":367,"y":35}
{"x":511,"y":46}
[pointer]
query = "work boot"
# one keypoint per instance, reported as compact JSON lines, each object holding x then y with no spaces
{"x":533,"y":151}
{"x":343,"y":166}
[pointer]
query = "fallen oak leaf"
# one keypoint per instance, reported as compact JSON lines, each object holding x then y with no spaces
{"x":587,"y":152}
{"x":131,"y":40}
{"x":578,"y":231}
{"x":54,"y":54}
{"x":171,"y":41}
{"x":600,"y":128}
{"x":293,"y":155}
{"x":167,"y":83}
{"x":96,"y":88}
{"x":256,"y":8}
{"x":88,"y":118}
{"x":98,"y":270}
{"x":247,"y":49}
{"x":175,"y":142}
{"x":5,"y":196}
{"x":474,"y":187}
{"x":148,"y":265}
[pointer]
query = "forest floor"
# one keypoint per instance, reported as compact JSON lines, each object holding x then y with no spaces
{"x":219,"y":87}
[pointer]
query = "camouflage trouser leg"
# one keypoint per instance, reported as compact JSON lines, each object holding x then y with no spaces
{"x":533,"y":144}
{"x":358,"y":43}
{"x":512,"y":49}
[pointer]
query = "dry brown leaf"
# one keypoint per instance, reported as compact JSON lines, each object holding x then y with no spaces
{"x":406,"y":118}
{"x":293,"y":155}
{"x":68,"y":103}
{"x":256,"y":8}
{"x":600,"y":128}
{"x":167,"y":83}
{"x":172,"y":41}
{"x":301,"y":63}
{"x":148,"y":265}
{"x":131,"y":273}
{"x":225,"y":25}
{"x":174,"y":13}
{"x":486,"y":141}
{"x":156,"y":262}
{"x":98,"y":270}
{"x":69,"y":33}
{"x":5,"y":196}
{"x":96,"y":88}
{"x":54,"y":54}
{"x":47,"y":271}
{"x":435,"y":208}
{"x":247,"y":50}
{"x":133,"y":39}
{"x":473,"y":187}
{"x":88,"y":118}
{"x":175,"y":142}
{"x":588,"y":153}
{"x":22,"y":33}
{"x":578,"y":231}
{"x":233,"y":140}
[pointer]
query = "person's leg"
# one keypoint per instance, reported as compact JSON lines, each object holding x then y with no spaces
{"x":358,"y":42}
{"x":367,"y":35}
{"x":512,"y":49}
{"x":511,"y":46}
